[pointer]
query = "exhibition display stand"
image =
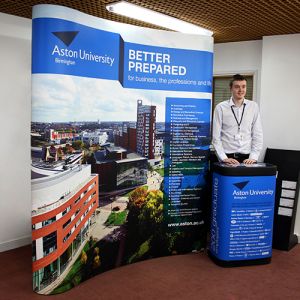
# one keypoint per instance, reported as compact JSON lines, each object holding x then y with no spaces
{"x":143,"y":98}
{"x":242,"y":214}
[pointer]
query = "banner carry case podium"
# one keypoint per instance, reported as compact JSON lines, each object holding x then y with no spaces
{"x":242,"y":214}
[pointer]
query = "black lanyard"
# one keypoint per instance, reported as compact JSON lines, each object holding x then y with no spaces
{"x":239,"y":123}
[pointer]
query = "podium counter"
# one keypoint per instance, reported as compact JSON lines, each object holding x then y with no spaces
{"x":242,"y":214}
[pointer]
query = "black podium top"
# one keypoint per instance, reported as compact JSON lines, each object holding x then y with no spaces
{"x":258,"y":169}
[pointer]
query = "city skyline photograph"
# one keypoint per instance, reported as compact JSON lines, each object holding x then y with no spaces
{"x":65,"y":98}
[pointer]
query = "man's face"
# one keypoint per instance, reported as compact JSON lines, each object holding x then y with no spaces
{"x":238,"y":89}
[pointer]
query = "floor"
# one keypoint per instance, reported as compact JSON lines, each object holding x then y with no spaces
{"x":191,"y":276}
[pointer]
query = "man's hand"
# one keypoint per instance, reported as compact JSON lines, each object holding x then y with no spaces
{"x":230,"y":161}
{"x":249,"y":161}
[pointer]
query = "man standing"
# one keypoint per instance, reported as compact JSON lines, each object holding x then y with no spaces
{"x":237,"y":130}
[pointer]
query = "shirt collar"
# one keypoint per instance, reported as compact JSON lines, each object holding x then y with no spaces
{"x":231,"y":103}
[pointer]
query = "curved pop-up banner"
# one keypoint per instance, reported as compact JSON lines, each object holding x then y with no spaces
{"x":120,"y":139}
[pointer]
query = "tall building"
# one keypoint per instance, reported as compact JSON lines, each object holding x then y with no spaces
{"x":145,"y":129}
{"x":63,"y":206}
{"x":126,"y":138}
{"x":159,"y":148}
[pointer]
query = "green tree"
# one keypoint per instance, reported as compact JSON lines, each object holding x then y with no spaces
{"x":78,"y":145}
{"x":84,"y":257}
{"x":137,"y":200}
{"x":138,"y":197}
{"x":96,"y":260}
{"x":150,"y":168}
{"x":151,"y":216}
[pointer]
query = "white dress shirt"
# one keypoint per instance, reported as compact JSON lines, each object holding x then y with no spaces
{"x":227,"y":138}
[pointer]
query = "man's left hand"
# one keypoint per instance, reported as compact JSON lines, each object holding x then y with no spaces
{"x":249,"y":161}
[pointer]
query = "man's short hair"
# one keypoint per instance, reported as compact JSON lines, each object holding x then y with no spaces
{"x":236,"y":77}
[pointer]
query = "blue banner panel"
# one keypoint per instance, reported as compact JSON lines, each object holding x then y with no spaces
{"x":160,"y":68}
{"x":242,"y":217}
{"x":186,"y":152}
{"x":120,"y":145}
{"x":64,"y":47}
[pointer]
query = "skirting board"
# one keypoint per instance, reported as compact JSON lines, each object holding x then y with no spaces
{"x":16,"y":243}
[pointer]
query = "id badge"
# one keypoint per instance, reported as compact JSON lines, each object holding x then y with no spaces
{"x":238,"y":137}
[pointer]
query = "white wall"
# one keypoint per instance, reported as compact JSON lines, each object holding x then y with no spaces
{"x":280,"y":93}
{"x":239,"y":57}
{"x":15,"y":110}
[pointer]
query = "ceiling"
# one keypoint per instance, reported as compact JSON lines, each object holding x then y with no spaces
{"x":231,"y":21}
